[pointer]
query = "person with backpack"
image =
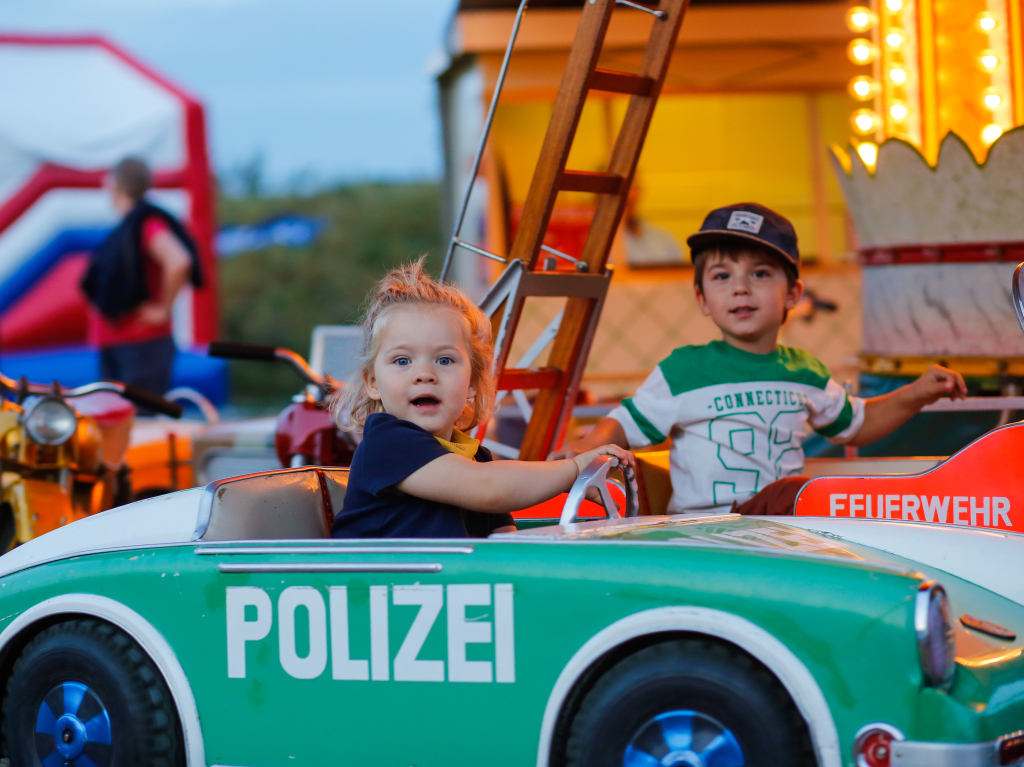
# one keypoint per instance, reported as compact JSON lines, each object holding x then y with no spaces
{"x":132,"y":281}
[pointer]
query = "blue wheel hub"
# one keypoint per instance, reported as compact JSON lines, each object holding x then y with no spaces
{"x":73,"y":728}
{"x":683,"y":739}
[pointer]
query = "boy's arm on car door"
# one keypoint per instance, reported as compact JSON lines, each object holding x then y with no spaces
{"x":884,"y":414}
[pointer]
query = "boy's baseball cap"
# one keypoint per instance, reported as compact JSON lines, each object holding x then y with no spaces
{"x":749,"y":222}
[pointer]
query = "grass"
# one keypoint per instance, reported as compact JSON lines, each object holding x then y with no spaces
{"x":278,"y":295}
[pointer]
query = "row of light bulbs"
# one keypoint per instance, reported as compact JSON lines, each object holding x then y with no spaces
{"x":863,"y":51}
{"x":864,"y":88}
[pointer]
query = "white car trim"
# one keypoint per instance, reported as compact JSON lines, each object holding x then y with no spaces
{"x":165,"y":519}
{"x":789,"y":670}
{"x":143,"y":632}
{"x":986,"y":557}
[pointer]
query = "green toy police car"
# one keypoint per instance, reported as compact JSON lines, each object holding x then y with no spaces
{"x":221,"y":626}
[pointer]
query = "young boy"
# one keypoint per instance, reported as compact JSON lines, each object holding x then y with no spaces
{"x":737,"y":410}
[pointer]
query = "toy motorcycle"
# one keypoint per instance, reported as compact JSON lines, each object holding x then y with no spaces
{"x":305,"y":434}
{"x":59,"y":463}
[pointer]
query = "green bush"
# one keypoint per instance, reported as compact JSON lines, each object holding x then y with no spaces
{"x":277,"y":295}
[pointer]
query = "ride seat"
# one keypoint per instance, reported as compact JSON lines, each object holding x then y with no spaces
{"x":654,"y":482}
{"x":291,"y":504}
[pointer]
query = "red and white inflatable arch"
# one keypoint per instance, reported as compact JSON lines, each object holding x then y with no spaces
{"x":70,"y":108}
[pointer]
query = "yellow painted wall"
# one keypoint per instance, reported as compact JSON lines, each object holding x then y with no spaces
{"x":704,"y":151}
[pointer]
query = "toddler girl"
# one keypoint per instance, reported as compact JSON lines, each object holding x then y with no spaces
{"x":426,"y":374}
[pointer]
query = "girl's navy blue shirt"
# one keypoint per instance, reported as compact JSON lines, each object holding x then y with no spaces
{"x":391,"y":450}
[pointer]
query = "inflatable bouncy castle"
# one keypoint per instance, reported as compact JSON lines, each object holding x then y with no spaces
{"x":72,"y":107}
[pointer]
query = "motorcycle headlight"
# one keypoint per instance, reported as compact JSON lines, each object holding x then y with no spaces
{"x":935,"y":638}
{"x":50,"y":421}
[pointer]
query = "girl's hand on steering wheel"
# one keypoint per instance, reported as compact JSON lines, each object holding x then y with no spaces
{"x":584,"y":459}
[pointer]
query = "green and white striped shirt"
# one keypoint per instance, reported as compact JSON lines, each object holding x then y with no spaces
{"x":737,"y":419}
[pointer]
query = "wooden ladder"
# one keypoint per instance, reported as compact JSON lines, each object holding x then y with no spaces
{"x":585,"y":283}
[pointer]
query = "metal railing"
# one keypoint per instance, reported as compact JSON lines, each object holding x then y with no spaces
{"x":488,"y":122}
{"x":456,"y":241}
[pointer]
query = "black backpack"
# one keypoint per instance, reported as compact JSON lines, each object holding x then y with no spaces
{"x":115,"y":281}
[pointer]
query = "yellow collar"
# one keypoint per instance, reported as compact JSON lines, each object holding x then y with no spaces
{"x":463,"y":444}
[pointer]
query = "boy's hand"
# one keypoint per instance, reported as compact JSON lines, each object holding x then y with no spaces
{"x":938,"y":382}
{"x":582,"y":460}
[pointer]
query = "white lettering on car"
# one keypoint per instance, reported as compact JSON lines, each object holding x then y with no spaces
{"x":835,"y":503}
{"x":960,"y":507}
{"x":462,"y":631}
{"x":407,"y":667}
{"x":315,"y":662}
{"x":976,"y":510}
{"x":504,"y":636}
{"x":240,"y":630}
{"x":1000,"y":508}
{"x":342,"y":664}
{"x":380,"y":651}
{"x":910,"y":506}
{"x":969,"y":511}
{"x":892,"y":504}
{"x":936,"y":508}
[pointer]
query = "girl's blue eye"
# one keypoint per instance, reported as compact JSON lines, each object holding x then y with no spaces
{"x":445,"y":361}
{"x":403,"y":361}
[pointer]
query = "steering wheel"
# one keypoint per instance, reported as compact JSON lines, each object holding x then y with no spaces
{"x":596,"y":476}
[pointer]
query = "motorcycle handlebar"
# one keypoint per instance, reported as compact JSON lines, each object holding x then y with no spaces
{"x":146,"y":399}
{"x":240,"y":351}
{"x":154,"y":402}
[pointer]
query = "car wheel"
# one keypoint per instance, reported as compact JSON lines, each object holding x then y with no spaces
{"x":84,"y":694}
{"x":688,"y":703}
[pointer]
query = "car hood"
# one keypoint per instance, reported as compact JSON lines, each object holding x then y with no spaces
{"x":165,"y":519}
{"x":992,"y":559}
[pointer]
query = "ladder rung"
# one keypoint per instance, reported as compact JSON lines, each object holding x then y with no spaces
{"x":563,"y":285}
{"x":621,"y":82}
{"x":585,"y":181}
{"x":528,"y":378}
{"x":480,"y":251}
{"x":637,"y":6}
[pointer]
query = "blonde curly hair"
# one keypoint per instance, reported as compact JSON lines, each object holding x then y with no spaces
{"x":409,"y":285}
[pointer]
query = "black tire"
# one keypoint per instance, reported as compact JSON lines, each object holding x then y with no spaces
{"x":116,"y":691}
{"x":648,"y":700}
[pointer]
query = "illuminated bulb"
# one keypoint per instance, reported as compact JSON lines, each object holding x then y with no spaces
{"x":863,"y":88}
{"x":986,"y":22}
{"x":868,"y":153}
{"x":860,"y":19}
{"x":990,"y":133}
{"x":988,"y":60}
{"x":897,"y":75}
{"x":898,"y":111}
{"x":894,"y":39}
{"x":862,"y":51}
{"x":865,"y":121}
{"x":893,"y":5}
{"x":992,"y":98}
